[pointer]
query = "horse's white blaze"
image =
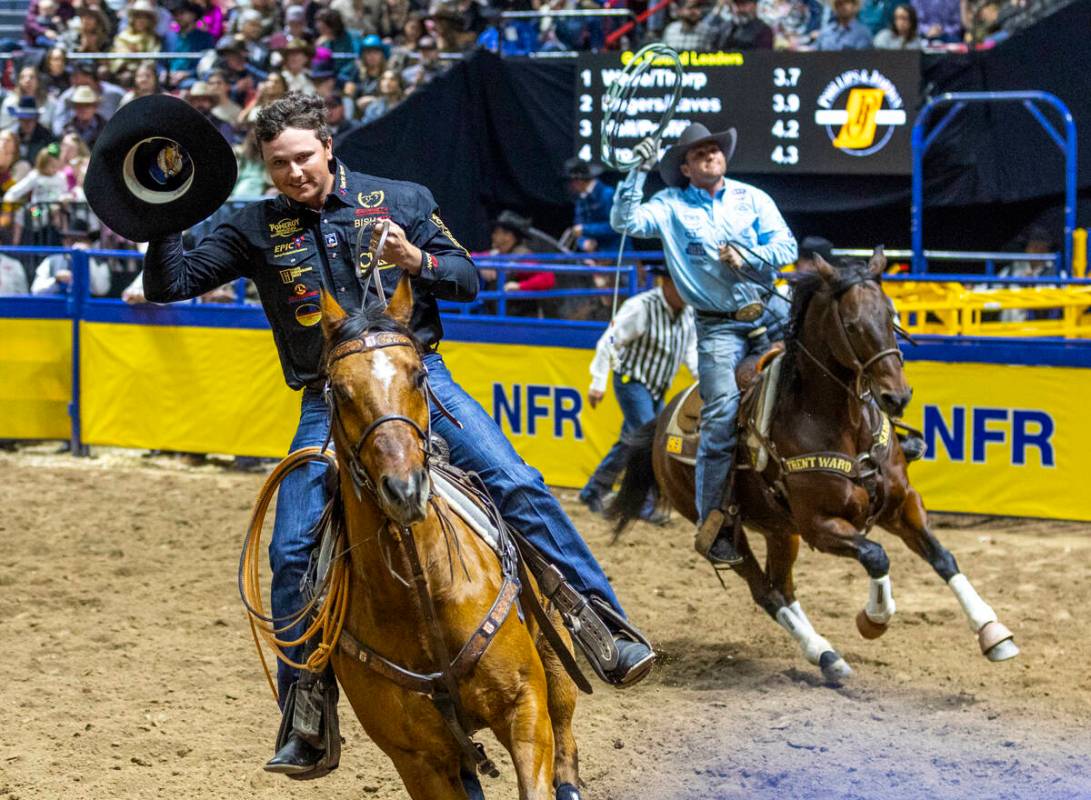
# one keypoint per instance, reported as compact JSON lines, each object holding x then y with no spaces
{"x":880,"y":601}
{"x":383,"y":369}
{"x":810,"y":642}
{"x":978,"y":612}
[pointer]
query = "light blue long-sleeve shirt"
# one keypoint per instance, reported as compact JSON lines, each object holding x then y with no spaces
{"x":692,"y":224}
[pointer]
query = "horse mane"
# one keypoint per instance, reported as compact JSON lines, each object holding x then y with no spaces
{"x":372,"y":318}
{"x":805,"y":286}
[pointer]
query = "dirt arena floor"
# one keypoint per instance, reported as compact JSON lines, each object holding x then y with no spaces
{"x":128,"y":669}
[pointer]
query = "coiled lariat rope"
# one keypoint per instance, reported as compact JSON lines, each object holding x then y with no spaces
{"x":618,"y":96}
{"x":327,"y":607}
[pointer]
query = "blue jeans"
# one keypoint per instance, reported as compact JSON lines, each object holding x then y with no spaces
{"x":638,"y":408}
{"x":721,"y":344}
{"x":479,"y":446}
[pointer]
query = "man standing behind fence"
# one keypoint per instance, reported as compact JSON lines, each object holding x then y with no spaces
{"x":653,"y":333}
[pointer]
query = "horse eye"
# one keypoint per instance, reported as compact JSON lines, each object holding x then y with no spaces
{"x":420,"y":377}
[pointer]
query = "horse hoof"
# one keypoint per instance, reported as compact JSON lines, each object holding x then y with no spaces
{"x":869,"y":628}
{"x":566,"y":791}
{"x":834,"y":668}
{"x":996,"y":642}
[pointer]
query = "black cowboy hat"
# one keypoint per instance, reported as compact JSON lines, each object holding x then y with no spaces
{"x":158,"y":168}
{"x":812,"y":246}
{"x":79,"y":228}
{"x":513,"y":222}
{"x":670,"y":168}
{"x":578,"y":169}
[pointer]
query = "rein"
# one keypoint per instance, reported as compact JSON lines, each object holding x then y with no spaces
{"x":859,"y":366}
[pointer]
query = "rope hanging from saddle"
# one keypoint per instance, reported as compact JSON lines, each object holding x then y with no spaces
{"x":328,"y":606}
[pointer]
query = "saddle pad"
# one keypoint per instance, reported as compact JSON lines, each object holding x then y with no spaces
{"x":463,"y":505}
{"x":683,"y":427}
{"x":762,"y":417}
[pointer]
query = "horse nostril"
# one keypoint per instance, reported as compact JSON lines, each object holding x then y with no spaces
{"x":395,"y":489}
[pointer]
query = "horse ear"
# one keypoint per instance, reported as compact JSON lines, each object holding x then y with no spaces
{"x":332,"y":313}
{"x":401,"y":302}
{"x":824,"y":268}
{"x":877,"y":264}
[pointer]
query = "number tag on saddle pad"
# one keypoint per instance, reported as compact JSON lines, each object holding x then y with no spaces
{"x":749,"y":312}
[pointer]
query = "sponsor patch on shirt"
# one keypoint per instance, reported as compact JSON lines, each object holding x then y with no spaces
{"x":695,"y":249}
{"x":371,"y":199}
{"x":289,"y":275}
{"x":282,"y":229}
{"x":331,"y":240}
{"x":308,"y":314}
{"x":295,"y":247}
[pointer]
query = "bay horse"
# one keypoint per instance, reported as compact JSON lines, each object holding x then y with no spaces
{"x":834,"y":469}
{"x":423,"y":587}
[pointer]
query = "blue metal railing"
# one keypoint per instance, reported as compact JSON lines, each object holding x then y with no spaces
{"x":923,"y":139}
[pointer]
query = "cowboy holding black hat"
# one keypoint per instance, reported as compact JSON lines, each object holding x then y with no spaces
{"x":723,"y":242}
{"x":160,"y":167}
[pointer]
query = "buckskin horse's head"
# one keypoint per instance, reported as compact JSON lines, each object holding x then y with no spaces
{"x":379,"y":403}
{"x":855,"y":319}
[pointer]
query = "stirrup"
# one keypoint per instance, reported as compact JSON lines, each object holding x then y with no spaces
{"x":586,"y":626}
{"x":310,"y":712}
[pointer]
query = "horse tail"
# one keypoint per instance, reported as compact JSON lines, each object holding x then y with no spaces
{"x":639,"y":479}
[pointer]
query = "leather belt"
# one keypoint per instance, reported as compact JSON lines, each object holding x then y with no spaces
{"x":748,"y":313}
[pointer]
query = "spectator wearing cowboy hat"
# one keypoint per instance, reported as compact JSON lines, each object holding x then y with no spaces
{"x":593,"y":199}
{"x":240,"y":74}
{"x":54,"y":274}
{"x":296,"y":55}
{"x":138,"y":36}
{"x":84,"y":75}
{"x":428,"y":67}
{"x":653,"y":333}
{"x":509,"y":237}
{"x":31,"y":134}
{"x":205,"y":100}
{"x":723,"y":242}
{"x":187,"y":39}
{"x":337,"y":116}
{"x":809,"y":248}
{"x":86,"y":121}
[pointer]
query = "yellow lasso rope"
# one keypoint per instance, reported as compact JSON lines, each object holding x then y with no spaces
{"x":329,"y":619}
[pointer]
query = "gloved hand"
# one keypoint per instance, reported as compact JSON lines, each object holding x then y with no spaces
{"x":648,"y":153}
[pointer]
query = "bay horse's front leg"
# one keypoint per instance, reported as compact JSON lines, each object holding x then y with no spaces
{"x":770,"y":596}
{"x":911,"y":525}
{"x":838,"y":536}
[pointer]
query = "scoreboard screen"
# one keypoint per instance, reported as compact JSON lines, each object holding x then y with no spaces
{"x":847,"y":112}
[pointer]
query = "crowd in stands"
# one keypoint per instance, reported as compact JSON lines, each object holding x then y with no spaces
{"x":82,"y":60}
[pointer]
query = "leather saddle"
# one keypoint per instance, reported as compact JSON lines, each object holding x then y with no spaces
{"x":757,"y":379}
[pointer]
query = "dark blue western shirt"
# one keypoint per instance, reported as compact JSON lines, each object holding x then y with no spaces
{"x":291,"y":252}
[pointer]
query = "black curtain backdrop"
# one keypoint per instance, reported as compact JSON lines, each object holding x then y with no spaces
{"x":493,"y":133}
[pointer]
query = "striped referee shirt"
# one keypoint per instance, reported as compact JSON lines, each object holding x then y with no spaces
{"x":651,"y":342}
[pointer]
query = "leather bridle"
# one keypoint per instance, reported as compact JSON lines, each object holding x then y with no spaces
{"x":369,"y":342}
{"x":859,"y":365}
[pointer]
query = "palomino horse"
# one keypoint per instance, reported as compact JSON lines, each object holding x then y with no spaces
{"x":424,"y":587}
{"x":833,"y":470}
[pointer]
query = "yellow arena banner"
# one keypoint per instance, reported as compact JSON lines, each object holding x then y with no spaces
{"x":187,"y":388}
{"x":1006,"y":440}
{"x":36,"y":384}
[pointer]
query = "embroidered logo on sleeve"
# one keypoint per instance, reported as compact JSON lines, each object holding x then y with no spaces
{"x":439,"y":223}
